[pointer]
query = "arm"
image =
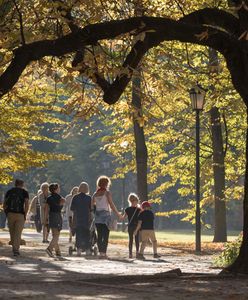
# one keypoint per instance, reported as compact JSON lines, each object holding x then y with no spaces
{"x":32,"y":206}
{"x":123,"y":217}
{"x":46,"y":210}
{"x":5,"y":200}
{"x":93,"y":203}
{"x":112,"y":205}
{"x":72,"y":217}
{"x":62,"y":201}
{"x":26,"y":206}
{"x":137,"y":228}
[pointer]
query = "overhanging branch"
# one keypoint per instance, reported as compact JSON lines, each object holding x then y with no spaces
{"x":156,"y":31}
{"x":216,"y":18}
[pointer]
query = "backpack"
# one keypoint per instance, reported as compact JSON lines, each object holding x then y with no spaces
{"x":14,"y":202}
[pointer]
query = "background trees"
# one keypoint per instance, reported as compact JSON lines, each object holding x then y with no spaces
{"x":75,"y":40}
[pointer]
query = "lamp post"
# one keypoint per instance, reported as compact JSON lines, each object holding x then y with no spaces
{"x":197,"y":96}
{"x":124,"y":146}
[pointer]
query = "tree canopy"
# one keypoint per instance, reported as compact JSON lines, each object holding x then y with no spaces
{"x":68,"y":43}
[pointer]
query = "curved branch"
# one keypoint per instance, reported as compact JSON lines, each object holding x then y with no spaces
{"x":214,"y":17}
{"x":155,"y":30}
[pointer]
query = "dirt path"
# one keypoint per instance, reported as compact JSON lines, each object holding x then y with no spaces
{"x":36,"y":276}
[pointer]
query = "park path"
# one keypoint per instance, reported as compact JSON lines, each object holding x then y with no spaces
{"x":36,"y":276}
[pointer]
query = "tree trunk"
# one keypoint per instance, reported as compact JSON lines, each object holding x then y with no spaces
{"x":139,"y":135}
{"x":241,"y":263}
{"x":220,"y":233}
{"x":140,"y":144}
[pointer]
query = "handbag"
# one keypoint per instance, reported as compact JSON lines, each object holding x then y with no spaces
{"x":129,"y":222}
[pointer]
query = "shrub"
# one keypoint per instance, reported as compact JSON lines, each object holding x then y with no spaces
{"x":229,"y":254}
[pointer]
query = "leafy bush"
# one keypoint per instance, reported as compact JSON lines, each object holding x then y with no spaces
{"x":230,"y":253}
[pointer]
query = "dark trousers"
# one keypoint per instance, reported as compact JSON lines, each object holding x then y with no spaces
{"x":131,"y":230}
{"x":82,"y":238}
{"x":102,"y":237}
{"x":37,"y":221}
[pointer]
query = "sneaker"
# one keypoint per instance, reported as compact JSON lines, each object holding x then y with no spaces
{"x":45,"y":242}
{"x":103,"y":256}
{"x":16,"y":253}
{"x":140,"y":256}
{"x":58,"y":254}
{"x":156,"y":255}
{"x":130,"y":255}
{"x":49,"y":252}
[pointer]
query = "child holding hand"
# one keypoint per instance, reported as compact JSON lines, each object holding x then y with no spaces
{"x":132,"y":212}
{"x":146,"y":225}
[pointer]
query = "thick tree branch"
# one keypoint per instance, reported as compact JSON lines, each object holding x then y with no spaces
{"x":216,"y":18}
{"x":156,"y":30}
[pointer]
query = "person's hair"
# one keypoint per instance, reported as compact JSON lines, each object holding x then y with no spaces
{"x":132,"y":197}
{"x":53,"y":187}
{"x":83,"y":188}
{"x":103,"y":182}
{"x":74,"y":190}
{"x":19,"y":182}
{"x":44,"y":185}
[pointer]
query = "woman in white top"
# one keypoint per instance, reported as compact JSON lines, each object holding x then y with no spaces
{"x":67,"y":208}
{"x":102,"y":199}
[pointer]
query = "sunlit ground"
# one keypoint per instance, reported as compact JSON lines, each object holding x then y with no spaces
{"x":178,"y":235}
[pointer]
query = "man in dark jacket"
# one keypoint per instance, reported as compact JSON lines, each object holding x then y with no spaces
{"x":81,"y":207}
{"x":16,"y":208}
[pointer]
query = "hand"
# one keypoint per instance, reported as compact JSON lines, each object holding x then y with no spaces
{"x":135,"y":232}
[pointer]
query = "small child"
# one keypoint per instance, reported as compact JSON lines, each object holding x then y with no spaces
{"x":146,"y":224}
{"x":132,"y":212}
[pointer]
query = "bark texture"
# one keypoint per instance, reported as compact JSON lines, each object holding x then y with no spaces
{"x":220,"y":232}
{"x":139,"y":136}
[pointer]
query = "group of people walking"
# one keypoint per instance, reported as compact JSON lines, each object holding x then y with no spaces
{"x":82,"y":211}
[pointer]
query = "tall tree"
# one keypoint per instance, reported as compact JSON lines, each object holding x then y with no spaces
{"x":139,"y":135}
{"x":220,"y":230}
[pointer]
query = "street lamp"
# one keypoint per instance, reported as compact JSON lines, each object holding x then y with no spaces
{"x":124,"y":146}
{"x":197,"y":96}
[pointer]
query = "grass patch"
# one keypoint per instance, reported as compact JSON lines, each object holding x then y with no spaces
{"x":183,"y":240}
{"x":182,"y":236}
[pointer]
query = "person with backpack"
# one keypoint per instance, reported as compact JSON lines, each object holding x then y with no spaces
{"x":132,"y":213}
{"x":16,"y":205}
{"x":53,"y":210}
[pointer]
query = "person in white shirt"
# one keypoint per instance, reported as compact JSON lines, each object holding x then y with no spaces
{"x":102,"y":199}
